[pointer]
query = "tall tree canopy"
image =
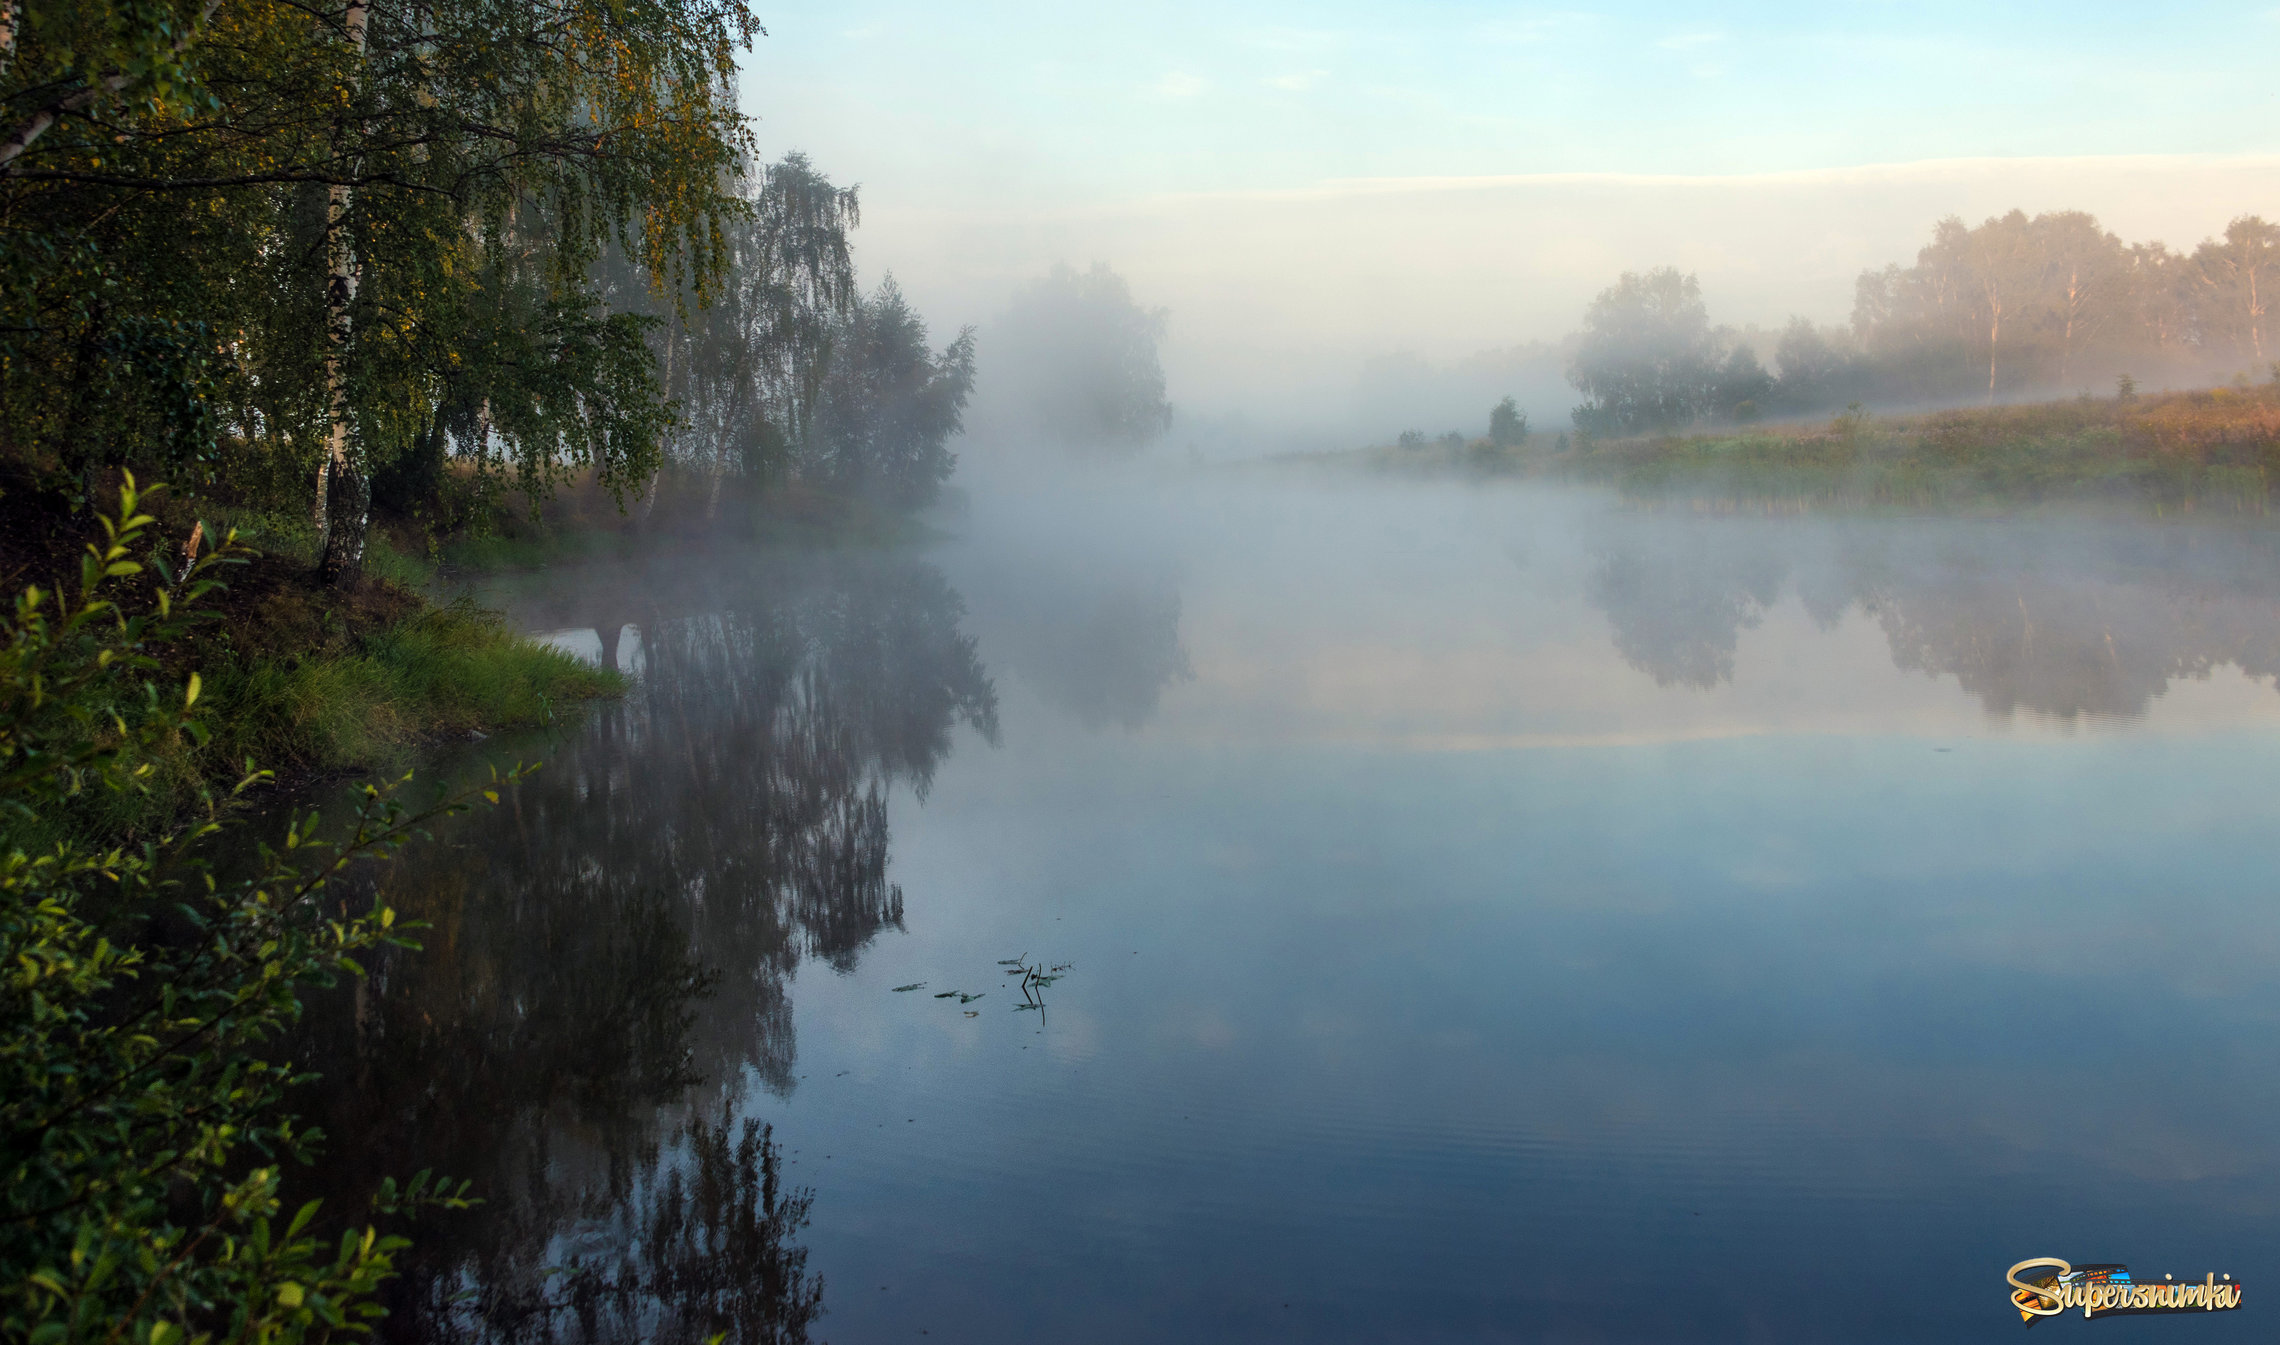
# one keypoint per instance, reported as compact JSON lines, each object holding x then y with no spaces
{"x":742,"y":361}
{"x":888,"y":405}
{"x":2016,"y":306}
{"x":2022,"y":304}
{"x":278,"y":244}
{"x":1648,"y":358}
{"x":1074,"y":361}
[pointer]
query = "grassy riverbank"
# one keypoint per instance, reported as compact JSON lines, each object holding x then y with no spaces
{"x":2216,"y":449}
{"x":311,"y":680}
{"x":306,"y":679}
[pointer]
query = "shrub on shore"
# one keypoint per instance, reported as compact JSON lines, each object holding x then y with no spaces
{"x":141,"y":1123}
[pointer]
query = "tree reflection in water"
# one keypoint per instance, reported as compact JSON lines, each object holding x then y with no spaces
{"x":1679,"y":612}
{"x":2092,"y":619}
{"x":603,"y":978}
{"x":704,"y":1253}
{"x":1107,"y":656}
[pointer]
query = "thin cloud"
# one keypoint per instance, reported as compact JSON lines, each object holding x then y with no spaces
{"x":1302,"y":41}
{"x":1689,"y":41}
{"x":1298,"y":83}
{"x":1178,"y":84}
{"x":1537,"y":28}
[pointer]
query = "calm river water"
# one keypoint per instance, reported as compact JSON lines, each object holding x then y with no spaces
{"x":1486,"y":914}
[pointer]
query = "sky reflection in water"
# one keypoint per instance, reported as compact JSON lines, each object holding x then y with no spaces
{"x":1495,"y":914}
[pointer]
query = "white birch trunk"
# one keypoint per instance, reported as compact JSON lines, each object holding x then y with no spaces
{"x":336,"y":474}
{"x":1994,"y":340}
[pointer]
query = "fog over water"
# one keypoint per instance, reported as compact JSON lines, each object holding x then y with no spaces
{"x":1176,"y":891}
{"x":1487,"y":912}
{"x":1264,"y":671}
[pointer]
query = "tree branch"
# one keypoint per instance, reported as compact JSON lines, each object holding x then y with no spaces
{"x":246,"y":180}
{"x":39,"y":122}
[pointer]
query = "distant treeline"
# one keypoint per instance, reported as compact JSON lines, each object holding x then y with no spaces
{"x":2017,"y":307}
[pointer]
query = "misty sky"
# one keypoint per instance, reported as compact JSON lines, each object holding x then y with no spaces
{"x":1307,"y":184}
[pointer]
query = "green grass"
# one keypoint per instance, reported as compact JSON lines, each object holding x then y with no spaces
{"x":530,"y":546}
{"x":308,"y":680}
{"x":382,"y":560}
{"x":433,"y":678}
{"x":290,"y":538}
{"x":444,"y":674}
{"x":1913,"y":469}
{"x":2214,"y":450}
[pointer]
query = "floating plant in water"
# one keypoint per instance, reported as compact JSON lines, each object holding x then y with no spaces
{"x":1032,"y":980}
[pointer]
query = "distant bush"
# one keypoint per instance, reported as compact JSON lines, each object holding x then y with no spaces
{"x":1507,"y":425}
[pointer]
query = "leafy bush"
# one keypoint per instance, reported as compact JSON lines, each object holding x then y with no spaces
{"x":139,"y":988}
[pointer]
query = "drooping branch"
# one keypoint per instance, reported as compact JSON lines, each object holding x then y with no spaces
{"x":79,"y":100}
{"x":350,"y":180}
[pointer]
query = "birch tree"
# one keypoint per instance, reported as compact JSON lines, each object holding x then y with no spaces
{"x":2084,"y":272}
{"x":743,"y":362}
{"x":2241,"y":274}
{"x":347,"y":235}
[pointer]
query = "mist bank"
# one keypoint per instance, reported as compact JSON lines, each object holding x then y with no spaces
{"x":1286,"y":306}
{"x":2007,"y":310}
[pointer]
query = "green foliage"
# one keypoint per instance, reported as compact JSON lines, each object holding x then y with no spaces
{"x":888,"y":404}
{"x":2048,"y":303}
{"x":228,"y":229}
{"x":2015,"y":305}
{"x":143,"y":1139}
{"x":75,"y":54}
{"x":2216,"y":449}
{"x":743,"y":362}
{"x":1648,"y":359}
{"x":1507,"y":424}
